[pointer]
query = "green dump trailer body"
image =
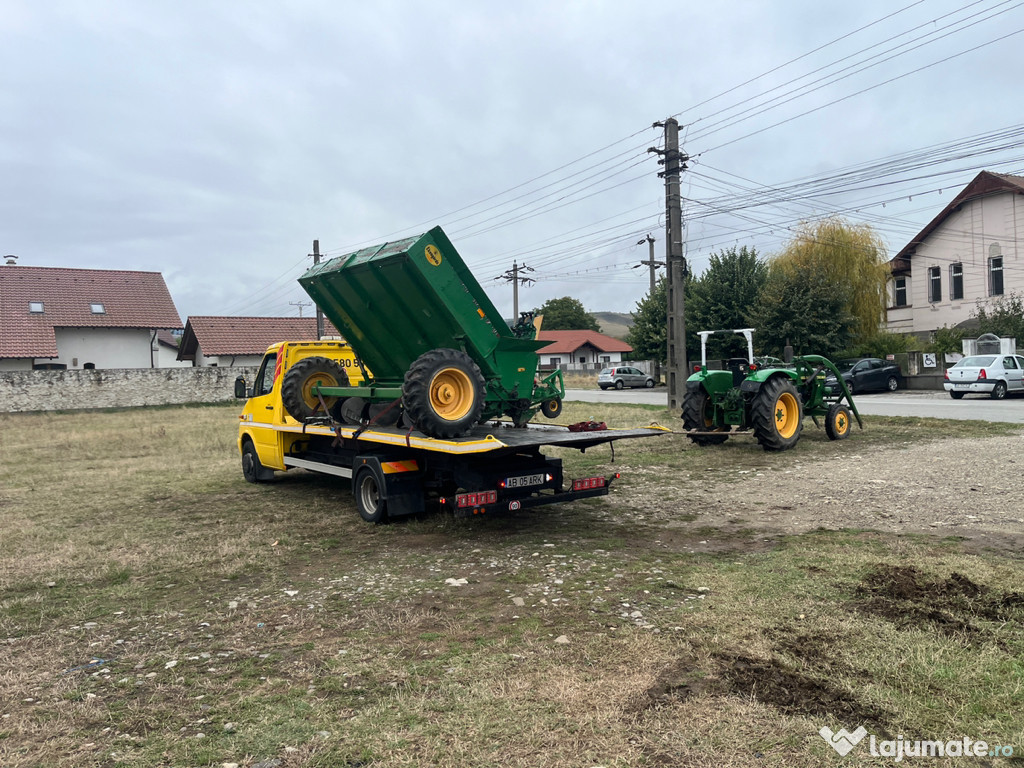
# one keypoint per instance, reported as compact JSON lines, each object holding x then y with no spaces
{"x":394,"y":302}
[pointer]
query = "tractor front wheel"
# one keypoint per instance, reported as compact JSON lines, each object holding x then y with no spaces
{"x":777,"y":415}
{"x":298,"y":384}
{"x":837,"y":422}
{"x":443,"y":393}
{"x":552,"y":407}
{"x":698,"y":413}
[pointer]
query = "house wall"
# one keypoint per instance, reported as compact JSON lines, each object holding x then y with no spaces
{"x":227,"y":361}
{"x":572,"y":360}
{"x":75,"y":389}
{"x":103,"y":347}
{"x":166,"y":357}
{"x":15,"y":364}
{"x":984,"y":227}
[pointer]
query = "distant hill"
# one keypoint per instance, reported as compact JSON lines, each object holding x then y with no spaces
{"x":614,"y":324}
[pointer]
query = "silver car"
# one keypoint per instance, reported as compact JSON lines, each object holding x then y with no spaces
{"x":993,"y":375}
{"x":623,"y":376}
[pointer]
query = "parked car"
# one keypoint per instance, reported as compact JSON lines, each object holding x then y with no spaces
{"x":623,"y":376}
{"x":869,"y":374}
{"x":992,"y":375}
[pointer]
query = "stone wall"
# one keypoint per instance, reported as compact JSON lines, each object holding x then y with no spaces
{"x":22,"y":391}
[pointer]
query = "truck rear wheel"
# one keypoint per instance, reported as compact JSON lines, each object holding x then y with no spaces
{"x":698,"y":413}
{"x":298,"y":384}
{"x":777,"y":415}
{"x":368,"y":488}
{"x":443,"y":393}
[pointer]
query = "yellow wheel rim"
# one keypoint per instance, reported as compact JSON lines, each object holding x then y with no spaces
{"x":787,"y":415}
{"x":317,"y":380}
{"x":841,"y":423}
{"x":451,"y":394}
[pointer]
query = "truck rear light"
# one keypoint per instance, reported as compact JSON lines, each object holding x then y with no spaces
{"x":464,"y":500}
{"x":586,"y":483}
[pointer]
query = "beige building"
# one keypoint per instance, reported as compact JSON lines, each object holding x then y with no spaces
{"x":967,"y":256}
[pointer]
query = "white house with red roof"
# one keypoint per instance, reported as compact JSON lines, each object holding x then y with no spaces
{"x":580,"y":349}
{"x":230,"y":342}
{"x":58,"y":318}
{"x":970,"y":254}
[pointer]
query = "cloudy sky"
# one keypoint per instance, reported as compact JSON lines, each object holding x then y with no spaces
{"x":213,"y":141}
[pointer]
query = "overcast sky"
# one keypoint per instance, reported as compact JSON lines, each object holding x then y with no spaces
{"x":213,"y":141}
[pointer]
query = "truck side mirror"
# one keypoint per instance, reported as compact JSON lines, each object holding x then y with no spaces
{"x":240,"y":393}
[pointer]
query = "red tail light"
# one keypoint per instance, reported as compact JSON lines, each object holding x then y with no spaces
{"x":982,"y":374}
{"x":945,"y":375}
{"x":587,"y":483}
{"x":476,"y":499}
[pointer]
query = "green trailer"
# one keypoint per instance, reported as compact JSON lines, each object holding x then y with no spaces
{"x":431,"y":348}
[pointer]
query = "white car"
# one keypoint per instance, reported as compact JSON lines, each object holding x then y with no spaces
{"x":992,"y":375}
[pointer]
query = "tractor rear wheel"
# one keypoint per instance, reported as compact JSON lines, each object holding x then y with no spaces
{"x":443,"y":393}
{"x":698,"y":413}
{"x":777,"y":415}
{"x":837,"y":422}
{"x":297,"y":385}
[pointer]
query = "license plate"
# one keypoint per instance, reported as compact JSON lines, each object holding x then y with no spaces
{"x":961,"y":386}
{"x":524,"y":481}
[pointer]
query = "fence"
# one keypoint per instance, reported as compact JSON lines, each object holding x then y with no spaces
{"x":23,"y":391}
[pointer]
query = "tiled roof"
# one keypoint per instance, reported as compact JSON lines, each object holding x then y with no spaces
{"x":245,"y":335}
{"x":569,"y":341}
{"x":985,"y":183}
{"x":128,"y":299}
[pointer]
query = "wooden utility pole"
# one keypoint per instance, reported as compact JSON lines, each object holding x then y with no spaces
{"x":319,"y":312}
{"x":674,"y":162}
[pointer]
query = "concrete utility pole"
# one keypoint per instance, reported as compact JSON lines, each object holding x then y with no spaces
{"x":300,"y":305}
{"x":650,"y":262}
{"x":319,"y":312}
{"x":512,"y":275}
{"x":674,"y":162}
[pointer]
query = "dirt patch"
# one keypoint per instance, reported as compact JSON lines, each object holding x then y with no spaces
{"x":952,"y":606}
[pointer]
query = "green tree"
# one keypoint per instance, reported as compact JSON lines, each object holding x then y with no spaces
{"x":851,"y":259}
{"x":946,"y":341}
{"x":1004,"y":317}
{"x":722,"y":298}
{"x":566,"y":314}
{"x":649,"y":330}
{"x":804,"y":310}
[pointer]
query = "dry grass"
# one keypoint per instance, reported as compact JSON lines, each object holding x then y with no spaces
{"x":323,"y":641}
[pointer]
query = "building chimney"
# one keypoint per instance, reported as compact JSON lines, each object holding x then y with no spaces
{"x":11,"y":260}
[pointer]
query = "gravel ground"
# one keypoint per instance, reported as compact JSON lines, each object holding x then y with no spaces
{"x":970,"y":488}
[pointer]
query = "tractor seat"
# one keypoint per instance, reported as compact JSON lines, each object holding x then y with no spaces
{"x":740,"y":368}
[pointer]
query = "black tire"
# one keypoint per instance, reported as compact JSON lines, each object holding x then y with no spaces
{"x":252,"y":469}
{"x":297,"y":386}
{"x":552,"y":407}
{"x":697,"y":414}
{"x":603,"y":387}
{"x":649,"y":383}
{"x":956,"y":395}
{"x":367,"y":487}
{"x":998,"y":391}
{"x":892,"y":384}
{"x":443,"y":393}
{"x":619,"y":384}
{"x":837,"y":422}
{"x":777,"y":415}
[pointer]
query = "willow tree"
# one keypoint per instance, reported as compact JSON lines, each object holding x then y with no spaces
{"x":852,"y":259}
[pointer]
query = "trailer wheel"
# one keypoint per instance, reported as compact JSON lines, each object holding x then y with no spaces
{"x":368,"y":488}
{"x":297,"y":385}
{"x":837,"y":422}
{"x":252,"y":469}
{"x":698,"y":413}
{"x":777,"y":415}
{"x":552,"y":407}
{"x":443,"y":393}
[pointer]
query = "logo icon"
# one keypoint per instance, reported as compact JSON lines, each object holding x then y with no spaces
{"x":433,"y":255}
{"x":842,"y":741}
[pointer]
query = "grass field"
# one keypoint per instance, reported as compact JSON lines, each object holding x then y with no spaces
{"x":157,"y":610}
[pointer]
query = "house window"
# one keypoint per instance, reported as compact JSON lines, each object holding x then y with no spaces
{"x":956,"y":281}
{"x":97,"y":309}
{"x":35,"y":307}
{"x":900,"y":292}
{"x":556,"y":361}
{"x":934,"y":285}
{"x":995,"y":276}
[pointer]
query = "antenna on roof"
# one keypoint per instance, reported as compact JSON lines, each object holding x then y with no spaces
{"x":11,"y":259}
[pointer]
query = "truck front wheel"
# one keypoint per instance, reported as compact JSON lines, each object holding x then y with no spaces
{"x":252,"y":469}
{"x":367,"y":487}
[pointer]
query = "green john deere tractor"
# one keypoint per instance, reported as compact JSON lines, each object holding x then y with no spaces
{"x":768,"y":400}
